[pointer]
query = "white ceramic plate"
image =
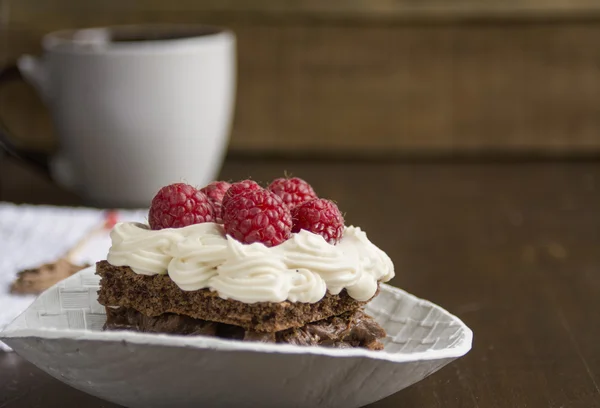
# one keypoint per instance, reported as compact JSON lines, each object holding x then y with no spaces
{"x":61,"y":334}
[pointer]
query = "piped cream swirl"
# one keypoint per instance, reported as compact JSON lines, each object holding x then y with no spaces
{"x":302,"y":269}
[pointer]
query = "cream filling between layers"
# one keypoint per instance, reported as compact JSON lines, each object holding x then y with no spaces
{"x":302,"y":269}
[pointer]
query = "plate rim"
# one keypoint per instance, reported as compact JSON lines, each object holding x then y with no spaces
{"x":463,"y":346}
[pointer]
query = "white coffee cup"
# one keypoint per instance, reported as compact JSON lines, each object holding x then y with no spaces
{"x":135,"y":107}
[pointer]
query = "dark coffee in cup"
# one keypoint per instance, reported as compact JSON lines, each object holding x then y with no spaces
{"x":125,"y":34}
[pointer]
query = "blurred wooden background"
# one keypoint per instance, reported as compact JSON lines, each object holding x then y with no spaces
{"x":364,"y":77}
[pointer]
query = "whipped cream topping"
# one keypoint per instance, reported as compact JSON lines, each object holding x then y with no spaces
{"x":301,"y":269}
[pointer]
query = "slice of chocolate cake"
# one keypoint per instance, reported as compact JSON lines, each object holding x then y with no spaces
{"x":350,"y":329}
{"x":158,"y":294}
{"x":281,"y":268}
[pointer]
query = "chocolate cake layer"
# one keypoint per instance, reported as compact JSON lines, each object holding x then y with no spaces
{"x":351,"y":329}
{"x":158,"y":294}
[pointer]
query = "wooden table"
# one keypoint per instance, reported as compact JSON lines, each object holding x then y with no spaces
{"x":513,"y":249}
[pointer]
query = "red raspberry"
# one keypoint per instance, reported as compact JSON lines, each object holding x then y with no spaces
{"x":257,"y":216}
{"x":319,"y":216}
{"x":293,"y":191}
{"x":215,"y":192}
{"x":239,"y":187}
{"x":179,"y":205}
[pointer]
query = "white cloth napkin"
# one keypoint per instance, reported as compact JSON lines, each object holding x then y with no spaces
{"x":33,"y":235}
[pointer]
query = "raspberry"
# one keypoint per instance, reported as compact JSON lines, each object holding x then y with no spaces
{"x":215,"y":192}
{"x":321,"y":217}
{"x":239,"y":187}
{"x":293,"y":191}
{"x":179,"y":205}
{"x":257,"y":216}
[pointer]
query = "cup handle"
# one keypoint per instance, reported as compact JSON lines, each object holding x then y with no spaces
{"x":38,"y":160}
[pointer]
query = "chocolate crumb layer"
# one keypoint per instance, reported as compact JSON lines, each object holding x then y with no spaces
{"x":349,"y":330}
{"x":158,"y":294}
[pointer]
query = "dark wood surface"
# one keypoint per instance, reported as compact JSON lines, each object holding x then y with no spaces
{"x":513,"y":249}
{"x":369,"y":76}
